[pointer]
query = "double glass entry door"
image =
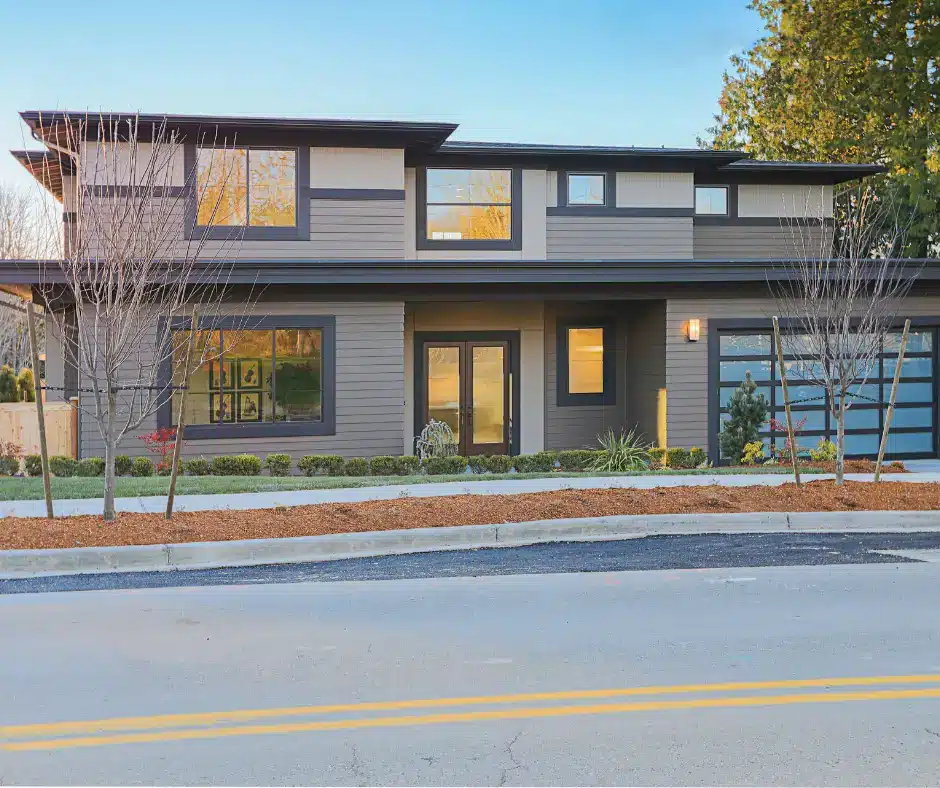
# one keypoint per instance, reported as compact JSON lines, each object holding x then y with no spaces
{"x":467,"y":387}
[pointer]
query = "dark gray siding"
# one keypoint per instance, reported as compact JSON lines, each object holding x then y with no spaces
{"x":618,"y":237}
{"x":577,"y":426}
{"x":646,"y":365}
{"x":746,"y":242}
{"x":370,"y":390}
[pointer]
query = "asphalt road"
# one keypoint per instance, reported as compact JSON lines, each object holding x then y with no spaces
{"x":637,"y":677}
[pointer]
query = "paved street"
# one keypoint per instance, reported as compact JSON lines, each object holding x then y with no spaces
{"x":637,"y":677}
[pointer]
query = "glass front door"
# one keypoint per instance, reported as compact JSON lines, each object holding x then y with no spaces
{"x":467,"y":387}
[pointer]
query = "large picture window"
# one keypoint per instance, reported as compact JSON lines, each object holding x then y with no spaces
{"x":468,"y":205}
{"x":912,"y":427}
{"x":246,"y":187}
{"x":274,"y":377}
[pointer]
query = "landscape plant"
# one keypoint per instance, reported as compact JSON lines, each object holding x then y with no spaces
{"x":312,"y":464}
{"x":621,"y":452}
{"x":499,"y":463}
{"x":32,"y":465}
{"x":383,"y":465}
{"x":679,"y":458}
{"x":278,"y":464}
{"x":122,"y":465}
{"x":356,"y":466}
{"x":825,"y":451}
{"x":90,"y":467}
{"x":436,"y":440}
{"x":478,"y":463}
{"x":407,"y":465}
{"x":698,"y":457}
{"x":26,"y":385}
{"x":753,"y":454}
{"x":657,"y":456}
{"x":9,"y":390}
{"x":574,"y":460}
{"x":141,"y":467}
{"x":747,"y":413}
{"x":63,"y":466}
{"x":9,"y":458}
{"x":198,"y":466}
{"x":160,"y":443}
{"x":452,"y":464}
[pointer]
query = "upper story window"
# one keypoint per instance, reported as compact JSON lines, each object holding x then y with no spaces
{"x":586,"y":189}
{"x":246,"y":187}
{"x":711,"y":200}
{"x":469,"y":205}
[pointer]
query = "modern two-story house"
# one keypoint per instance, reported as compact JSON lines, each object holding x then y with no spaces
{"x":531,"y":296}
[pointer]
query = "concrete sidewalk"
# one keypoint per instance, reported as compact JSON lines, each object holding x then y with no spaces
{"x":270,"y":500}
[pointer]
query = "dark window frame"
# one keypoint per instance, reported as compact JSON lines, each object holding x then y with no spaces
{"x":563,"y":397}
{"x":299,"y":232}
{"x":728,"y":214}
{"x":327,"y":424}
{"x":423,"y":243}
{"x":718,"y":327}
{"x":608,"y":191}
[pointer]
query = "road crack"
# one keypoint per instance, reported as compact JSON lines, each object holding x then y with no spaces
{"x":516,"y":764}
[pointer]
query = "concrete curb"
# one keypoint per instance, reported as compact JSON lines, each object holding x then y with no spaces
{"x":255,"y":552}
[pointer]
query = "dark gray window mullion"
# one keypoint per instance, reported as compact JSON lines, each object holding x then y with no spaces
{"x":273,"y":376}
{"x":222,"y":378}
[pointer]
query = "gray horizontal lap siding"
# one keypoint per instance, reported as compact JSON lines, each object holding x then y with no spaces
{"x":618,"y":237}
{"x":741,"y":242}
{"x":370,"y":390}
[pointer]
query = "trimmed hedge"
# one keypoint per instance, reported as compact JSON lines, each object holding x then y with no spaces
{"x":657,"y":457}
{"x":63,"y":466}
{"x":697,"y":456}
{"x":478,"y":463}
{"x":311,"y":464}
{"x":122,"y":465}
{"x":679,"y":458}
{"x":9,"y":466}
{"x":384,"y":465}
{"x":32,"y":463}
{"x":198,"y":466}
{"x":90,"y":466}
{"x":407,"y":465}
{"x":438,"y":466}
{"x":540,"y":462}
{"x":357,"y":466}
{"x":236,"y":465}
{"x":142,"y":466}
{"x":499,"y":463}
{"x":575,"y":460}
{"x":278,"y":464}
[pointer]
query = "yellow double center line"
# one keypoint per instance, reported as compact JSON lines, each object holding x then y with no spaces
{"x":210,"y":725}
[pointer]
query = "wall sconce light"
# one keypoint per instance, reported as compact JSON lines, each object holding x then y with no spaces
{"x":693,"y":329}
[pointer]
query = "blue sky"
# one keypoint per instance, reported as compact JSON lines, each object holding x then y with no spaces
{"x":618,"y":72}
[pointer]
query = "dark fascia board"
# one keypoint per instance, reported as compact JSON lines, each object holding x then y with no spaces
{"x":526,"y":149}
{"x":811,"y":172}
{"x":479,"y":272}
{"x":260,"y":130}
{"x":47,"y":167}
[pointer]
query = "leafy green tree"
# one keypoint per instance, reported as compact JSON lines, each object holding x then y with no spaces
{"x":747,"y":413}
{"x":845,"y":81}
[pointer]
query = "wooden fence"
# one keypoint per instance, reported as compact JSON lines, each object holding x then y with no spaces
{"x":19,"y":424}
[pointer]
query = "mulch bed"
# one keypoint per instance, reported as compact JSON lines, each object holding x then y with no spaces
{"x":334,"y":518}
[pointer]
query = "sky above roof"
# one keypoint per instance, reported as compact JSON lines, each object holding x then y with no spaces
{"x":596,"y":72}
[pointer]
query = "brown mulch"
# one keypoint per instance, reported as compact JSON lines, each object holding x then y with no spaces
{"x":334,"y":518}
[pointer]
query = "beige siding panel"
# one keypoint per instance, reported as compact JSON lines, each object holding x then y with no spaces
{"x":357,"y":168}
{"x":747,"y":242}
{"x":655,"y":189}
{"x":619,"y":237}
{"x":551,"y":189}
{"x":779,"y":200}
{"x":369,"y":390}
{"x":577,"y":426}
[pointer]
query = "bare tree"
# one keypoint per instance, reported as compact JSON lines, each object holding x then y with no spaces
{"x":841,"y":294}
{"x":134,"y":269}
{"x":23,"y":234}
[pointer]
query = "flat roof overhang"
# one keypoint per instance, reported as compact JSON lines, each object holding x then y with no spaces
{"x":482,"y":272}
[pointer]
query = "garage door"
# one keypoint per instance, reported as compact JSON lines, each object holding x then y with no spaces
{"x":913,"y":430}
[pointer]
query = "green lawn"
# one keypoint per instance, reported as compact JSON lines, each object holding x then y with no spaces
{"x":24,"y":489}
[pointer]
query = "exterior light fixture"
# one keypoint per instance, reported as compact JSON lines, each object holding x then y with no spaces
{"x":693,"y":329}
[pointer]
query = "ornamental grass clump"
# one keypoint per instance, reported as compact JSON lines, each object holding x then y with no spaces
{"x":621,"y":453}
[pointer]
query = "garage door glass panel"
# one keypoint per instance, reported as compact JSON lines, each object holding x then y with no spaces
{"x":911,"y":368}
{"x":912,"y":417}
{"x":910,"y":443}
{"x":737,"y":370}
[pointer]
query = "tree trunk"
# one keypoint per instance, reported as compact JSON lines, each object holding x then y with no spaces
{"x":110,"y":452}
{"x":840,"y":443}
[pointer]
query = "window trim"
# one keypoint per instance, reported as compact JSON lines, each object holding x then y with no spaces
{"x":423,"y":243}
{"x":564,"y":398}
{"x":728,"y":212}
{"x":299,"y":232}
{"x":605,"y":203}
{"x":327,"y":424}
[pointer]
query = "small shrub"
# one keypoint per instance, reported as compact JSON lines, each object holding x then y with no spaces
{"x":357,"y":466}
{"x":161,"y":444}
{"x":9,"y":466}
{"x":657,"y":457}
{"x":747,"y":413}
{"x":575,"y":459}
{"x":621,"y":453}
{"x":540,"y":462}
{"x":309,"y":464}
{"x":278,"y":464}
{"x":436,"y":440}
{"x":407,"y":465}
{"x":63,"y":466}
{"x":163,"y":468}
{"x":26,"y":385}
{"x":141,"y":466}
{"x":698,"y":457}
{"x":753,"y":453}
{"x":383,"y":466}
{"x":679,"y":458}
{"x":90,"y":466}
{"x":225,"y":465}
{"x":122,"y":465}
{"x":499,"y":463}
{"x":333,"y":464}
{"x":478,"y":463}
{"x":9,"y":390}
{"x":198,"y":466}
{"x":247,"y":464}
{"x":438,"y":466}
{"x":32,"y":464}
{"x":825,"y":451}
